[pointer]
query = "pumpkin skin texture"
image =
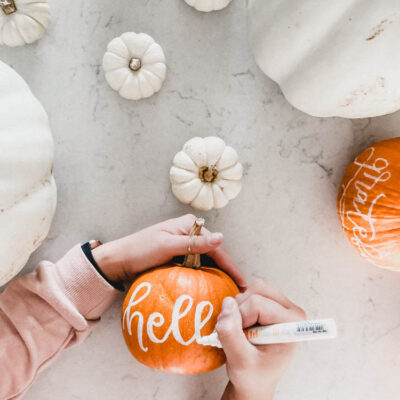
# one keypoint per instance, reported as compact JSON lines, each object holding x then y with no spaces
{"x":330,"y":58}
{"x":168,"y":283}
{"x":206,"y":173}
{"x":368,"y":204}
{"x":27,"y":188}
{"x":23,"y":21}
{"x":208,"y":5}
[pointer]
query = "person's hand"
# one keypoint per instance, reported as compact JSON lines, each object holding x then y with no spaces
{"x":123,"y":259}
{"x":254,"y":371}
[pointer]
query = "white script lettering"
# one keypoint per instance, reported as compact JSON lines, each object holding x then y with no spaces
{"x":369,"y":173}
{"x":182,"y":307}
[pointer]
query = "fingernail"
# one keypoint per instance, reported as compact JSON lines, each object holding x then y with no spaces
{"x":243,"y":289}
{"x":215,"y":238}
{"x":228,"y":304}
{"x":227,"y":307}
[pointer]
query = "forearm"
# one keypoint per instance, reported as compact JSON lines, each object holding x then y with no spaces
{"x":44,"y":312}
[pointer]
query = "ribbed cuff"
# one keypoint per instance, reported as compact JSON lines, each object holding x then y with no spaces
{"x":83,"y":285}
{"x":87,"y":250}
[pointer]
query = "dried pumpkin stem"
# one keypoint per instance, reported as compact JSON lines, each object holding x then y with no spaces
{"x":8,"y":6}
{"x":208,"y":174}
{"x":193,"y":260}
{"x":135,"y":64}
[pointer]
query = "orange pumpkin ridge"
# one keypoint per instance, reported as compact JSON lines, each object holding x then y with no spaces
{"x":168,"y":308}
{"x":369,"y":203}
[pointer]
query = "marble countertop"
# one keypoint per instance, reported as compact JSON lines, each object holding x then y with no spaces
{"x":112,"y":162}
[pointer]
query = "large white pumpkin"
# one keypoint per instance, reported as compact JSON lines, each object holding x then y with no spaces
{"x":27,"y":187}
{"x":330,"y":58}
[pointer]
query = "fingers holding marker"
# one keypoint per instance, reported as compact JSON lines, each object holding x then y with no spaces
{"x":230,"y":333}
{"x":262,"y":288}
{"x":254,"y":310}
{"x":257,"y":309}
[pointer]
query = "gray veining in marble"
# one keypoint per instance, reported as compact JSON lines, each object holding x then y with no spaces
{"x":112,"y":162}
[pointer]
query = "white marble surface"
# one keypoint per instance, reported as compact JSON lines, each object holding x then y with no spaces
{"x":112,"y":161}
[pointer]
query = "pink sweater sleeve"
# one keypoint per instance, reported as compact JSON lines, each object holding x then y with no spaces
{"x":45,"y":312}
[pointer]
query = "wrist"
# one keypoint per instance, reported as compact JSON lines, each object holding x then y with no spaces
{"x":235,"y":393}
{"x":106,"y":260}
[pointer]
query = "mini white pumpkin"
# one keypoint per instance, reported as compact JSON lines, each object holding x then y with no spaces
{"x":27,"y":188}
{"x":23,"y":21}
{"x":134,"y":65}
{"x":208,"y":5}
{"x":206,"y":174}
{"x":330,"y":58}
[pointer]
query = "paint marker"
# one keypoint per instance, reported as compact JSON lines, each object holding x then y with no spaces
{"x":282,"y":333}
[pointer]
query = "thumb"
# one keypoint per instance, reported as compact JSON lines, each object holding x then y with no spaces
{"x":196,"y":244}
{"x":230,"y":333}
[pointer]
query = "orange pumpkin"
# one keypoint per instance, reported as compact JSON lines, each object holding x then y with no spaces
{"x":369,"y":203}
{"x":168,"y":308}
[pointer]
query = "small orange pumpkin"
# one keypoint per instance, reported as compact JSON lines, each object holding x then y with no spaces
{"x":369,"y":203}
{"x":168,"y":308}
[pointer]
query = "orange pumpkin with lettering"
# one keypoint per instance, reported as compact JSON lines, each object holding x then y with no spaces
{"x":369,"y":203}
{"x":168,"y":308}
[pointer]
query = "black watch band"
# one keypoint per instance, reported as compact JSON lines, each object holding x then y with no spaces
{"x":87,"y":250}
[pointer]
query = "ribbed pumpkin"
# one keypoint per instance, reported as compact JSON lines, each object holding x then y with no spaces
{"x":369,"y":203}
{"x":330,"y":58}
{"x":168,"y":308}
{"x":28,"y":194}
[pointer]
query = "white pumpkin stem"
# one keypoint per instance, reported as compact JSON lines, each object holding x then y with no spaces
{"x":8,"y":6}
{"x":193,"y":260}
{"x":135,"y":64}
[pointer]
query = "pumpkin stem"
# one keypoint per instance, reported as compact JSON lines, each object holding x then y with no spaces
{"x":8,"y":6}
{"x":135,"y":64}
{"x":208,"y":174}
{"x":193,"y":260}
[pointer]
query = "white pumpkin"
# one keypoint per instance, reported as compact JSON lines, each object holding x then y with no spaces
{"x":206,"y":174}
{"x":27,"y":187}
{"x":330,"y":58}
{"x":23,"y":21}
{"x":208,"y":5}
{"x":134,"y":65}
